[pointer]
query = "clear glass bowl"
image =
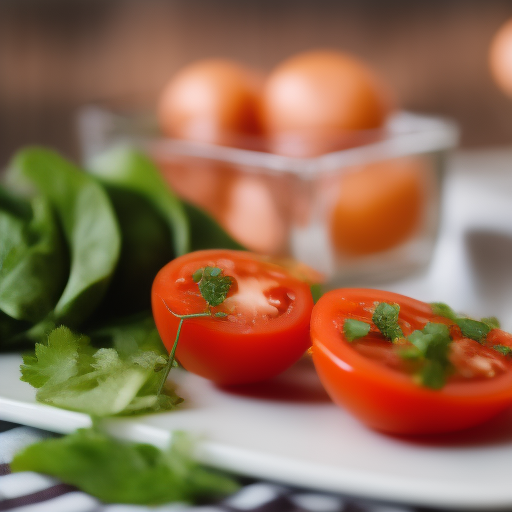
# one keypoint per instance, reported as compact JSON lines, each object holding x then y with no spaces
{"x":360,"y":215}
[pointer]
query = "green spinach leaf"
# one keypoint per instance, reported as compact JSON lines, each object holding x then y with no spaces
{"x":89,"y":224}
{"x":130,"y":169}
{"x":118,"y":472}
{"x":206,"y":233}
{"x":146,"y":246}
{"x":33,"y":264}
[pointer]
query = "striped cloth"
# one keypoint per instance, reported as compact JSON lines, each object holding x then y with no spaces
{"x":32,"y":492}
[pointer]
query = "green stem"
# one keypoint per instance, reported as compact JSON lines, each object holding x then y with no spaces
{"x":170,"y":361}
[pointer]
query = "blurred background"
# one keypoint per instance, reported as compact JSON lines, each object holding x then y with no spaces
{"x":56,"y":55}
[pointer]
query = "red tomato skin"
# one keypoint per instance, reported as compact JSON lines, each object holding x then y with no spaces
{"x":387,"y":400}
{"x":223,"y":351}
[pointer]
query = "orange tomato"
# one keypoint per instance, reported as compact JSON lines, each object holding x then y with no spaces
{"x":324,"y":92}
{"x":253,"y":216}
{"x":500,"y":58}
{"x":212,"y":101}
{"x":378,"y":207}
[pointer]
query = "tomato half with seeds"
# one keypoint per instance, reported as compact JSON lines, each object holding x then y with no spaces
{"x":371,"y":378}
{"x":264,"y":324}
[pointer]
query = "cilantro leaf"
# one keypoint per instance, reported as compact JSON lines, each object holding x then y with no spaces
{"x":441,"y":309}
{"x":492,"y":322}
{"x":355,"y":329}
{"x":57,"y":361}
{"x":385,"y":318}
{"x":410,"y":353}
{"x":118,"y":472}
{"x":432,"y":341}
{"x":69,"y":373}
{"x":433,"y":374}
{"x":473,"y":329}
{"x":503,"y":349}
{"x":213,"y":285}
{"x":432,"y":345}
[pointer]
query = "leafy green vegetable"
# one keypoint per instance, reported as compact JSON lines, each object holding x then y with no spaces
{"x":214,"y":286}
{"x":317,"y":290}
{"x":14,"y":205}
{"x":385,"y":318}
{"x":441,"y":309}
{"x":129,"y":334}
{"x":82,"y":251}
{"x":433,"y":374}
{"x":503,"y":349}
{"x":90,"y":227}
{"x":432,"y":341}
{"x":205,"y":232}
{"x":33,"y":264}
{"x":492,"y":322}
{"x":473,"y":329}
{"x":433,"y":345}
{"x":69,"y":373}
{"x":117,"y":472}
{"x":10,"y":329}
{"x":155,"y":225}
{"x":146,"y":246}
{"x":355,"y":329}
{"x":132,"y":170}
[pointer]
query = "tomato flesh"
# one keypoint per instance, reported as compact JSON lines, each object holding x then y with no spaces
{"x":368,"y":379}
{"x":267,"y":324}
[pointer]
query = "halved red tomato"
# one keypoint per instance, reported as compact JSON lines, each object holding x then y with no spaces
{"x":266,"y":324}
{"x":371,"y":379}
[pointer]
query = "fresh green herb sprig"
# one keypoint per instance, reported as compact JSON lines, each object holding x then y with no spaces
{"x":70,"y":373}
{"x":355,"y":329}
{"x":430,"y":346}
{"x":473,"y":329}
{"x":503,"y":349}
{"x":431,"y":349}
{"x":214,"y":287}
{"x":385,"y":318}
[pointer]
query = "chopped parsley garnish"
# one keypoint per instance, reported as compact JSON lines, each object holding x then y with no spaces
{"x":503,"y":349}
{"x":432,"y":341}
{"x":355,"y":329}
{"x":432,"y":344}
{"x":473,"y":329}
{"x":433,"y":374}
{"x":213,"y":285}
{"x":441,"y":309}
{"x":385,"y":318}
{"x":429,"y":348}
{"x":492,"y":322}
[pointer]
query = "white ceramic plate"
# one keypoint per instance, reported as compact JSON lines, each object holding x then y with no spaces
{"x":289,"y":431}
